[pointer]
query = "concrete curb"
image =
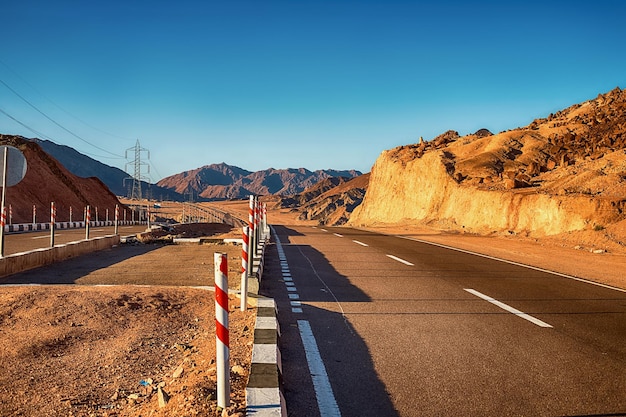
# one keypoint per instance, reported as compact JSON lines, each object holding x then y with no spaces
{"x":263,"y":395}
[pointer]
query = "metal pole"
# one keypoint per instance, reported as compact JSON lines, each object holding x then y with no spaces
{"x":221,"y":330}
{"x":4,"y":191}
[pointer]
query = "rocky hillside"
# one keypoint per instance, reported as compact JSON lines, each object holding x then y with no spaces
{"x":329,"y":202}
{"x":222,"y":181}
{"x":48,"y":180}
{"x":118,"y":181}
{"x":565,"y":172}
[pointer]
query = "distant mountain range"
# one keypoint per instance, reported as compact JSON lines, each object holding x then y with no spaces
{"x":223,"y":181}
{"x":210,"y":182}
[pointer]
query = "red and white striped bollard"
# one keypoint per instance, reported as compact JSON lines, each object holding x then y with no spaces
{"x":87,"y":221}
{"x":222,"y":342}
{"x":244,"y":268}
{"x":53,"y":215}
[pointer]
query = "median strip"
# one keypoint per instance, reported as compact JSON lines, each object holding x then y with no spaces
{"x":508,"y":308}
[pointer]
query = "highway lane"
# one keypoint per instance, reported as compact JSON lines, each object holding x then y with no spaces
{"x":412,"y":329}
{"x":21,"y":242}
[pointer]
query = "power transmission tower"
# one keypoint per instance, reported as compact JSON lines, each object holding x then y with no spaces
{"x":137,"y":164}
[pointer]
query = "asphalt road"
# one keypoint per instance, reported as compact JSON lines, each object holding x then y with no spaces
{"x":21,"y":242}
{"x":438,"y":332}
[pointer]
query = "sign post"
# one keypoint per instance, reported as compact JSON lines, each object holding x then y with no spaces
{"x":13,"y":171}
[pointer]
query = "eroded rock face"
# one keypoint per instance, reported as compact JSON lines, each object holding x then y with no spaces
{"x":562,"y":173}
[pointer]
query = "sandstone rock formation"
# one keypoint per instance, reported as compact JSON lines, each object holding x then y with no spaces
{"x":562,"y":173}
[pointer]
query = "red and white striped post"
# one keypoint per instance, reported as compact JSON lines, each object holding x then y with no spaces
{"x":244,"y":268}
{"x":251,"y":248}
{"x":70,"y":214}
{"x":107,"y":217}
{"x":257,"y":218}
{"x":221,"y":330}
{"x":10,"y":214}
{"x":87,"y":221}
{"x":117,"y":216}
{"x":34,"y":216}
{"x":53,"y":215}
{"x":96,"y":216}
{"x":3,"y":221}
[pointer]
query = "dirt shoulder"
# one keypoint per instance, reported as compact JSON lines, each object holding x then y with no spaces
{"x":93,"y":350}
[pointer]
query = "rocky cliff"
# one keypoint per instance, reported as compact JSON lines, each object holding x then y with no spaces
{"x":563,"y":173}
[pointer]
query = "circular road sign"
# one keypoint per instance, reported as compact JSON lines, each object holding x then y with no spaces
{"x":16,"y":166}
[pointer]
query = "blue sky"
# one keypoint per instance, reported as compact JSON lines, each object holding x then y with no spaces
{"x":289,"y":84}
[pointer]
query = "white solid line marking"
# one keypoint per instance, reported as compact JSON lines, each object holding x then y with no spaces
{"x":337,"y":234}
{"x":395,"y":258}
{"x":323,"y":391}
{"x":586,"y":281}
{"x":508,"y":308}
{"x":360,"y":243}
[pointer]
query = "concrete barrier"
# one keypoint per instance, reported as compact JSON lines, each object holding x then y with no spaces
{"x":23,"y":261}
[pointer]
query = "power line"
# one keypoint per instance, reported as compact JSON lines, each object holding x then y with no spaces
{"x":55,"y":122}
{"x":58,"y":106}
{"x":39,"y":134}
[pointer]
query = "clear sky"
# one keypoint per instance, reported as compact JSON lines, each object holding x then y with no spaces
{"x":288,"y":84}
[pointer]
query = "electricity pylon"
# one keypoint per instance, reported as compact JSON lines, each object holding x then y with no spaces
{"x":137,"y":164}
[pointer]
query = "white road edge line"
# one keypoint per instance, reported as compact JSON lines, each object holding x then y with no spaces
{"x":323,"y":391}
{"x":395,"y":258}
{"x":360,"y":243}
{"x":587,"y":281}
{"x":337,"y":234}
{"x":508,"y":308}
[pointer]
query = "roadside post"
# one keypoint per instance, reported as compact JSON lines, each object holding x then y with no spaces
{"x":13,"y":171}
{"x":34,"y":216}
{"x":71,"y":215}
{"x":117,"y":216}
{"x":251,"y":248}
{"x":53,"y":214}
{"x":87,"y":221}
{"x":244,"y":268}
{"x":222,"y":330}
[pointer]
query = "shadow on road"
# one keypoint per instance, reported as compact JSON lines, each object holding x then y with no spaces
{"x":69,"y":271}
{"x":353,"y":378}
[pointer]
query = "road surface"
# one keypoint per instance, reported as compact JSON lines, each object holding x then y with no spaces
{"x":375,"y":325}
{"x":21,"y":242}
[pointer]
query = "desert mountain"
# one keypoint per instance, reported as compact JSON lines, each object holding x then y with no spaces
{"x":46,"y":181}
{"x":562,"y":173}
{"x":222,"y":181}
{"x":330,"y":201}
{"x":117,"y":180}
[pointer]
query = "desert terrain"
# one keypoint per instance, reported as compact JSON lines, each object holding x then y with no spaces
{"x":120,"y":331}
